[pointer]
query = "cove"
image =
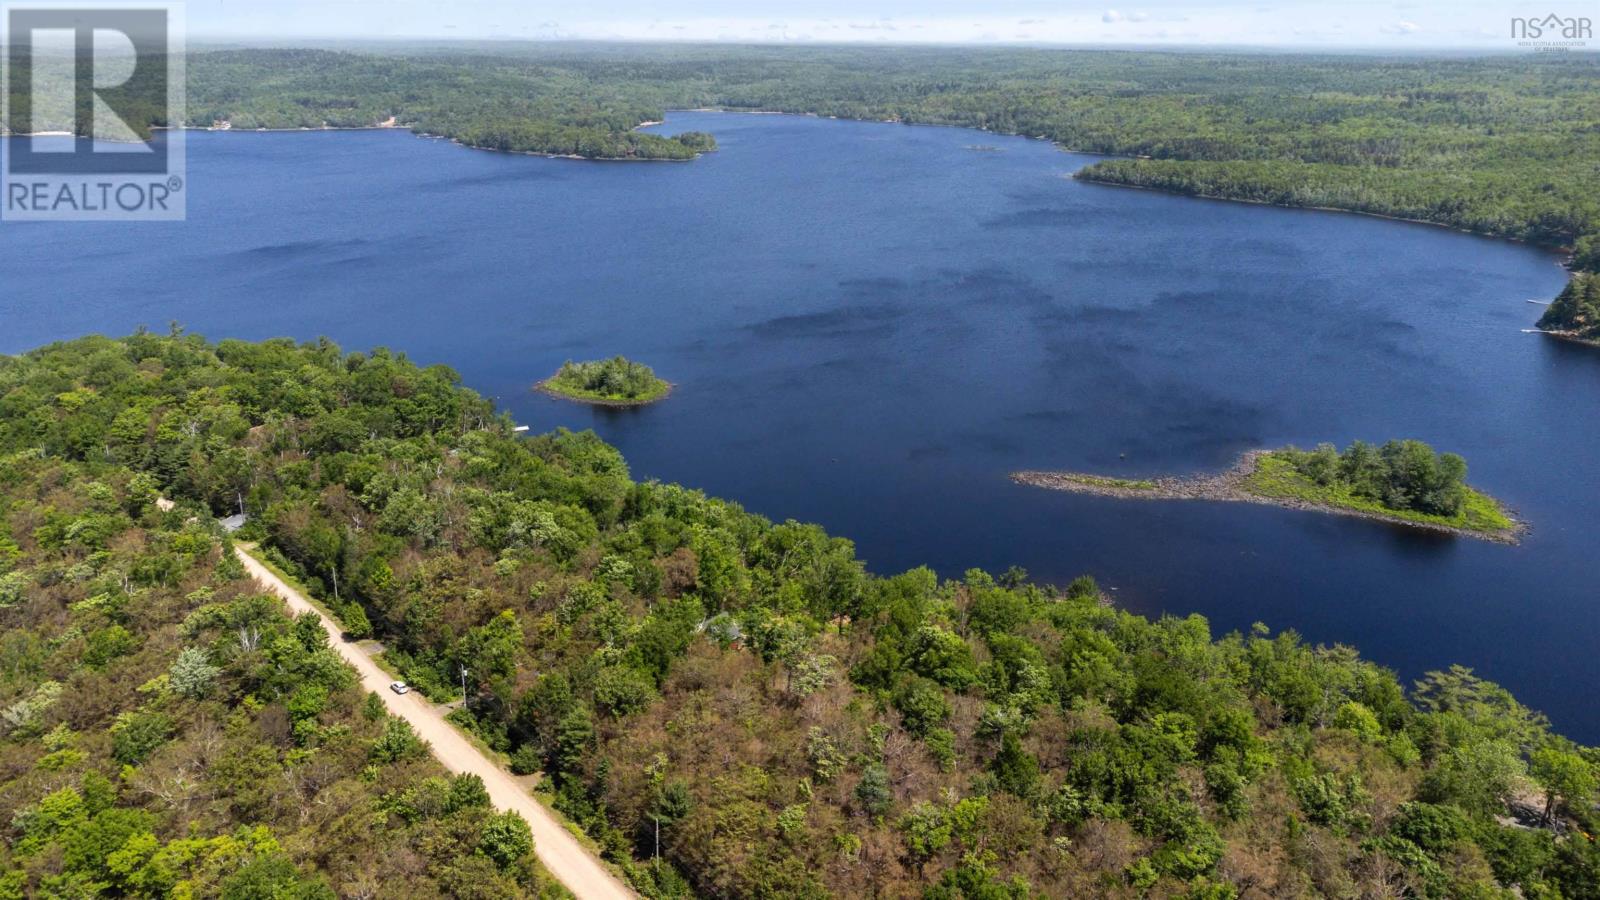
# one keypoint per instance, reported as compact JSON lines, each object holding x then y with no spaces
{"x":870,"y":326}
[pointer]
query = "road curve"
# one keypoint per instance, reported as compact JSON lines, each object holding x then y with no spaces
{"x":560,"y":852}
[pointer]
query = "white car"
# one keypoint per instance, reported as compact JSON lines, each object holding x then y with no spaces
{"x":400,"y":687}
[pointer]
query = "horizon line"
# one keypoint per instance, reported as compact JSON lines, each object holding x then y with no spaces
{"x":1387,"y":49}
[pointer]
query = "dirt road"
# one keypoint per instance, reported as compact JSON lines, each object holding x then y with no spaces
{"x":560,"y":852}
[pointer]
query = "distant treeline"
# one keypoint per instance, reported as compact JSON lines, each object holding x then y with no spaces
{"x":493,"y":102}
{"x":1500,"y":145}
{"x":1503,"y":145}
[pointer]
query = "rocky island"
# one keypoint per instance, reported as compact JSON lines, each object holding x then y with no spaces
{"x":1402,"y":482}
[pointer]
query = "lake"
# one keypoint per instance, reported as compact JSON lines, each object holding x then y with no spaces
{"x":871,"y":325}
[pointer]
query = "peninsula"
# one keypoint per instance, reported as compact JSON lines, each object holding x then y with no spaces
{"x":1402,"y":482}
{"x":1575,"y":314}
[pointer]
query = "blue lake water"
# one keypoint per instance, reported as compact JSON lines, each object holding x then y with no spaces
{"x":871,"y":325}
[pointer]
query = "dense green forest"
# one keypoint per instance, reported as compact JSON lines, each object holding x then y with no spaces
{"x":788,"y":724}
{"x":1576,"y":311}
{"x":615,"y":380}
{"x":141,"y":100}
{"x":495,"y":105}
{"x":168,"y":731}
{"x":1402,"y":475}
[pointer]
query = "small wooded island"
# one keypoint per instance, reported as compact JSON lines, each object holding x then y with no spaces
{"x":1402,"y":482}
{"x":618,"y":381}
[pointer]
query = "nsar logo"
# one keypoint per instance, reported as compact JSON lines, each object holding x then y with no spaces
{"x":1552,"y":32}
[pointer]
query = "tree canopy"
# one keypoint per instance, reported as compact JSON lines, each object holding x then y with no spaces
{"x":785,"y":722}
{"x":1401,"y":475}
{"x":1577,"y":310}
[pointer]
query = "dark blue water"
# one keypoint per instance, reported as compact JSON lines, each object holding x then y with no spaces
{"x":871,"y":325}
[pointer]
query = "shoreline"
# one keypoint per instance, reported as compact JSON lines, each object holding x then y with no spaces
{"x":547,"y":155}
{"x":1558,"y":250}
{"x":1232,"y":486}
{"x":1075,"y":175}
{"x":306,"y":129}
{"x":230,"y":128}
{"x":1089,"y":179}
{"x":1570,"y":337}
{"x":544,"y":387}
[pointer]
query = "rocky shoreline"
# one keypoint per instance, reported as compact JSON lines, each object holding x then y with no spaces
{"x":1571,"y":337}
{"x":1232,"y":486}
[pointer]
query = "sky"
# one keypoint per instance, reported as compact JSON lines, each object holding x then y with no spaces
{"x":1480,"y":24}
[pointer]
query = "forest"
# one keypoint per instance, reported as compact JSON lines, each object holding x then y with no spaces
{"x":1402,"y":475}
{"x":1576,"y":310}
{"x":728,"y":706}
{"x":166,"y":730}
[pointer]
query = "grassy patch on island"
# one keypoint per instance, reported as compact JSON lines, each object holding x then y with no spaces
{"x":1283,"y":475}
{"x":617,"y":381}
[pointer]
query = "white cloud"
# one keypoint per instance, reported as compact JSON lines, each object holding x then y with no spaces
{"x":1164,"y":22}
{"x":1401,"y":27}
{"x":1112,"y":16}
{"x":1272,"y":23}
